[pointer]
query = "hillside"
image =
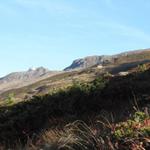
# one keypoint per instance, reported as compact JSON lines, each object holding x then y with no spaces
{"x":49,"y":82}
{"x":21,"y":79}
{"x":126,"y":57}
{"x":104,"y":97}
{"x":65,"y":79}
{"x":48,"y":85}
{"x":104,"y":106}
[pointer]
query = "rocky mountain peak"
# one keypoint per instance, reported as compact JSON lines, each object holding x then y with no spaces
{"x":33,"y":69}
{"x":19,"y":79}
{"x":90,"y":61}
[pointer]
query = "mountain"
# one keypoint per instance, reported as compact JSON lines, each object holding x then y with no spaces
{"x":82,"y":116}
{"x":87,"y":62}
{"x":126,"y":57}
{"x":20,"y":79}
{"x":39,"y":81}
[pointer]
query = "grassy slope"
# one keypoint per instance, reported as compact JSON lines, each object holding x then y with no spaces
{"x":66,"y":79}
{"x":113,"y":95}
{"x":124,"y":63}
{"x":48,"y":85}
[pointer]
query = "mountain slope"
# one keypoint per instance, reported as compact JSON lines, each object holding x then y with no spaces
{"x":113,"y":97}
{"x":41,"y":81}
{"x":88,"y":62}
{"x":126,"y":57}
{"x":98,"y":96}
{"x":20,"y":79}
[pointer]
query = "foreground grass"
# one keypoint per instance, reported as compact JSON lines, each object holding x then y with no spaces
{"x":132,"y":134}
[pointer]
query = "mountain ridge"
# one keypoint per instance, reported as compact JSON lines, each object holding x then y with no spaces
{"x":24,"y":78}
{"x":118,"y":62}
{"x":90,"y":61}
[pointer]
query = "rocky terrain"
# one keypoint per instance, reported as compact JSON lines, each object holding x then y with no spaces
{"x":40,"y":81}
{"x":130,"y":56}
{"x":20,"y":79}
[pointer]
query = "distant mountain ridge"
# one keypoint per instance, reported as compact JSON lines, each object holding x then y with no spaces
{"x":19,"y":79}
{"x":90,"y":61}
{"x":123,"y":61}
{"x":25,"y":75}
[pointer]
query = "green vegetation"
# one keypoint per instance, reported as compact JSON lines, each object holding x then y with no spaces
{"x":128,"y":135}
{"x":10,"y":100}
{"x":107,"y":75}
{"x":50,"y":85}
{"x":135,"y":127}
{"x":23,"y":119}
{"x":50,"y":120}
{"x":142,"y":68}
{"x":133,"y":133}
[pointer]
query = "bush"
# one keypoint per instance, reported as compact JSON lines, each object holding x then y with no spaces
{"x":79,"y":136}
{"x":10,"y":100}
{"x":142,"y":68}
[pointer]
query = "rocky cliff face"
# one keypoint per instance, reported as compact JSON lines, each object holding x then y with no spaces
{"x":90,"y":61}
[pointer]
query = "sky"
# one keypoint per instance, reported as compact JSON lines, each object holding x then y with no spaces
{"x":52,"y":33}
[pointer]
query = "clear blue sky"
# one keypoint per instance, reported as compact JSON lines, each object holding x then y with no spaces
{"x":52,"y":33}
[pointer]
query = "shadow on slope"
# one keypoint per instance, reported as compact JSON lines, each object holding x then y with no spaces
{"x":116,"y":95}
{"x":127,"y":66}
